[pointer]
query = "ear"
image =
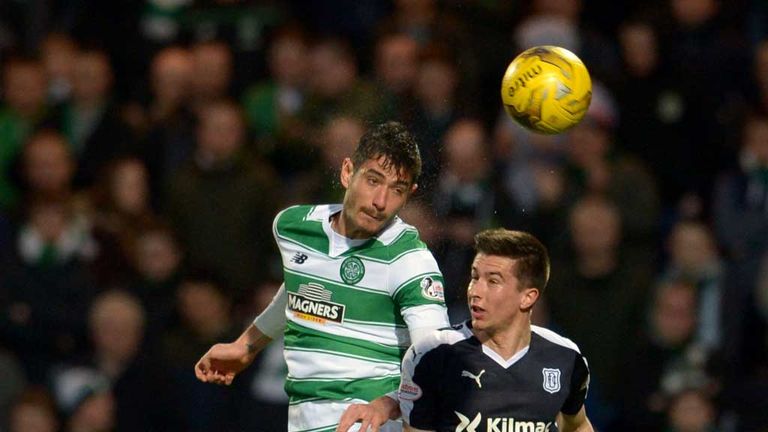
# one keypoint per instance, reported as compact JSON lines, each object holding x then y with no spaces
{"x":347,"y":170}
{"x":413,"y":188}
{"x":530,"y":296}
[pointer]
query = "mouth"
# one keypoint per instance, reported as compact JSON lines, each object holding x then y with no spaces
{"x":476,"y":311}
{"x":372,"y":217}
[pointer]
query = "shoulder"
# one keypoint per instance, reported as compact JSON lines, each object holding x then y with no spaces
{"x":298,"y":214}
{"x":555,"y":340}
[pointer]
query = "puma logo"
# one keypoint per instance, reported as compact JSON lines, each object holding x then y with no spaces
{"x":474,"y":377}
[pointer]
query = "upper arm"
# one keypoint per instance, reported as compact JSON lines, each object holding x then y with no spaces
{"x":415,"y":280}
{"x":419,"y":386}
{"x":576,"y":423}
{"x":425,"y":319}
{"x":579,"y":386}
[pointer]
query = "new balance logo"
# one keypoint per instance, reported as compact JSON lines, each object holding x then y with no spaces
{"x":299,"y":258}
{"x":466,"y":425}
{"x":474,"y":377}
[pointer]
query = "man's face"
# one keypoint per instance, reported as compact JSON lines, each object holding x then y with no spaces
{"x":495,"y":295}
{"x":375,"y":194}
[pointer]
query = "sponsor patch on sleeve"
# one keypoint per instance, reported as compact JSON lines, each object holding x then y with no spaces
{"x":432,"y":289}
{"x":409,"y":390}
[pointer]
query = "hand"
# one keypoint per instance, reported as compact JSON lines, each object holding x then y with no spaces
{"x":222,"y":362}
{"x":371,"y":416}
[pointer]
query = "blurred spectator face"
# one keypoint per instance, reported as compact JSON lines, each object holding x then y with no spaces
{"x":92,"y":78}
{"x":420,"y":216}
{"x":638,"y":45}
{"x":95,"y":414}
{"x":58,"y":55}
{"x":212,"y":73}
{"x":691,"y":411}
{"x":561,"y":8}
{"x":48,"y":163}
{"x":340,"y":138}
{"x":674,"y":313}
{"x":466,"y":151}
{"x":288,"y":60}
{"x":157,"y":255}
{"x":692,"y":13}
{"x":49,"y":220}
{"x":221,"y":131}
{"x":397,"y":62}
{"x":761,"y":65}
{"x":202,"y":306}
{"x":588,"y":143}
{"x":117,"y":326}
{"x":595,"y":226}
{"x":692,"y":247}
{"x":129,"y":188}
{"x":28,"y":417}
{"x":171,"y":76}
{"x":25,"y":86}
{"x":436,"y":82}
{"x":332,"y":70}
{"x":756,"y":140}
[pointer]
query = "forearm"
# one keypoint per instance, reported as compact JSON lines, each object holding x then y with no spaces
{"x":388,"y":404}
{"x":253,"y":339}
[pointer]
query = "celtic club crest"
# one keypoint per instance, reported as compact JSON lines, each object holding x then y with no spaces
{"x":352,"y":270}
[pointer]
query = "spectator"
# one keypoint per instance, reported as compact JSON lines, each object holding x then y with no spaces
{"x":597,"y":275}
{"x":205,"y":316}
{"x":90,"y":120}
{"x":211,"y":73}
{"x":437,"y":108}
{"x":463,"y":200}
{"x":47,"y":287}
{"x":220,"y":203}
{"x":143,"y":396}
{"x":693,"y":254}
{"x":157,"y":266}
{"x":665,"y":354}
{"x":170,"y":138}
{"x":24,"y":108}
{"x":34,"y":410}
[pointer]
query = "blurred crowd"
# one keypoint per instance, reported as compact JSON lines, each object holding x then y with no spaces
{"x":145,"y":147}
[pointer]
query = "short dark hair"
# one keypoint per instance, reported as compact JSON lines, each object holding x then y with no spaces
{"x":532,"y":269}
{"x":393,"y":141}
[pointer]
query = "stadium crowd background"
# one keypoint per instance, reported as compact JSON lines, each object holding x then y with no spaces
{"x":145,"y":147}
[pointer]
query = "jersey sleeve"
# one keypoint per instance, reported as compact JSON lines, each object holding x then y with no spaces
{"x":417,"y":280}
{"x":271,"y":321}
{"x":579,"y":386}
{"x":419,"y":386}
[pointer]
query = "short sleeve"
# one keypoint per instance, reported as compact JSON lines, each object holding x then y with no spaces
{"x":579,"y":386}
{"x":419,"y":388}
{"x":417,"y":280}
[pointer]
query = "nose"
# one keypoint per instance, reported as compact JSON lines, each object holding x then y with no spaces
{"x":475,"y":289}
{"x":380,"y":199}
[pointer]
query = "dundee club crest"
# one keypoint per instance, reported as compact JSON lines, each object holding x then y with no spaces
{"x":551,"y":380}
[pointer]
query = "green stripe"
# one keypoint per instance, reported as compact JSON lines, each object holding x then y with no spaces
{"x":298,"y":336}
{"x":366,"y":389}
{"x":361,"y":306}
{"x":293,"y":226}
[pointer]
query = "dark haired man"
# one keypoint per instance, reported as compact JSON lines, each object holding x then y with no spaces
{"x":496,"y":372}
{"x":359,"y":285}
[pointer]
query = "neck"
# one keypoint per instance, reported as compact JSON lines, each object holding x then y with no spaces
{"x":510,"y":340}
{"x":342,"y":226}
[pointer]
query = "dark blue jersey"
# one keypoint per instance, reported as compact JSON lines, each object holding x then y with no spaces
{"x":451,"y":382}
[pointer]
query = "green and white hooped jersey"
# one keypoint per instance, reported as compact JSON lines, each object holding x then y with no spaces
{"x":345,"y":334}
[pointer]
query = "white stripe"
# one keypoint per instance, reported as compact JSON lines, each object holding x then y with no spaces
{"x":327,"y":366}
{"x":555,"y":338}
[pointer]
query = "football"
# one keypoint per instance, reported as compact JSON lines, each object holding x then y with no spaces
{"x":546,"y":89}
